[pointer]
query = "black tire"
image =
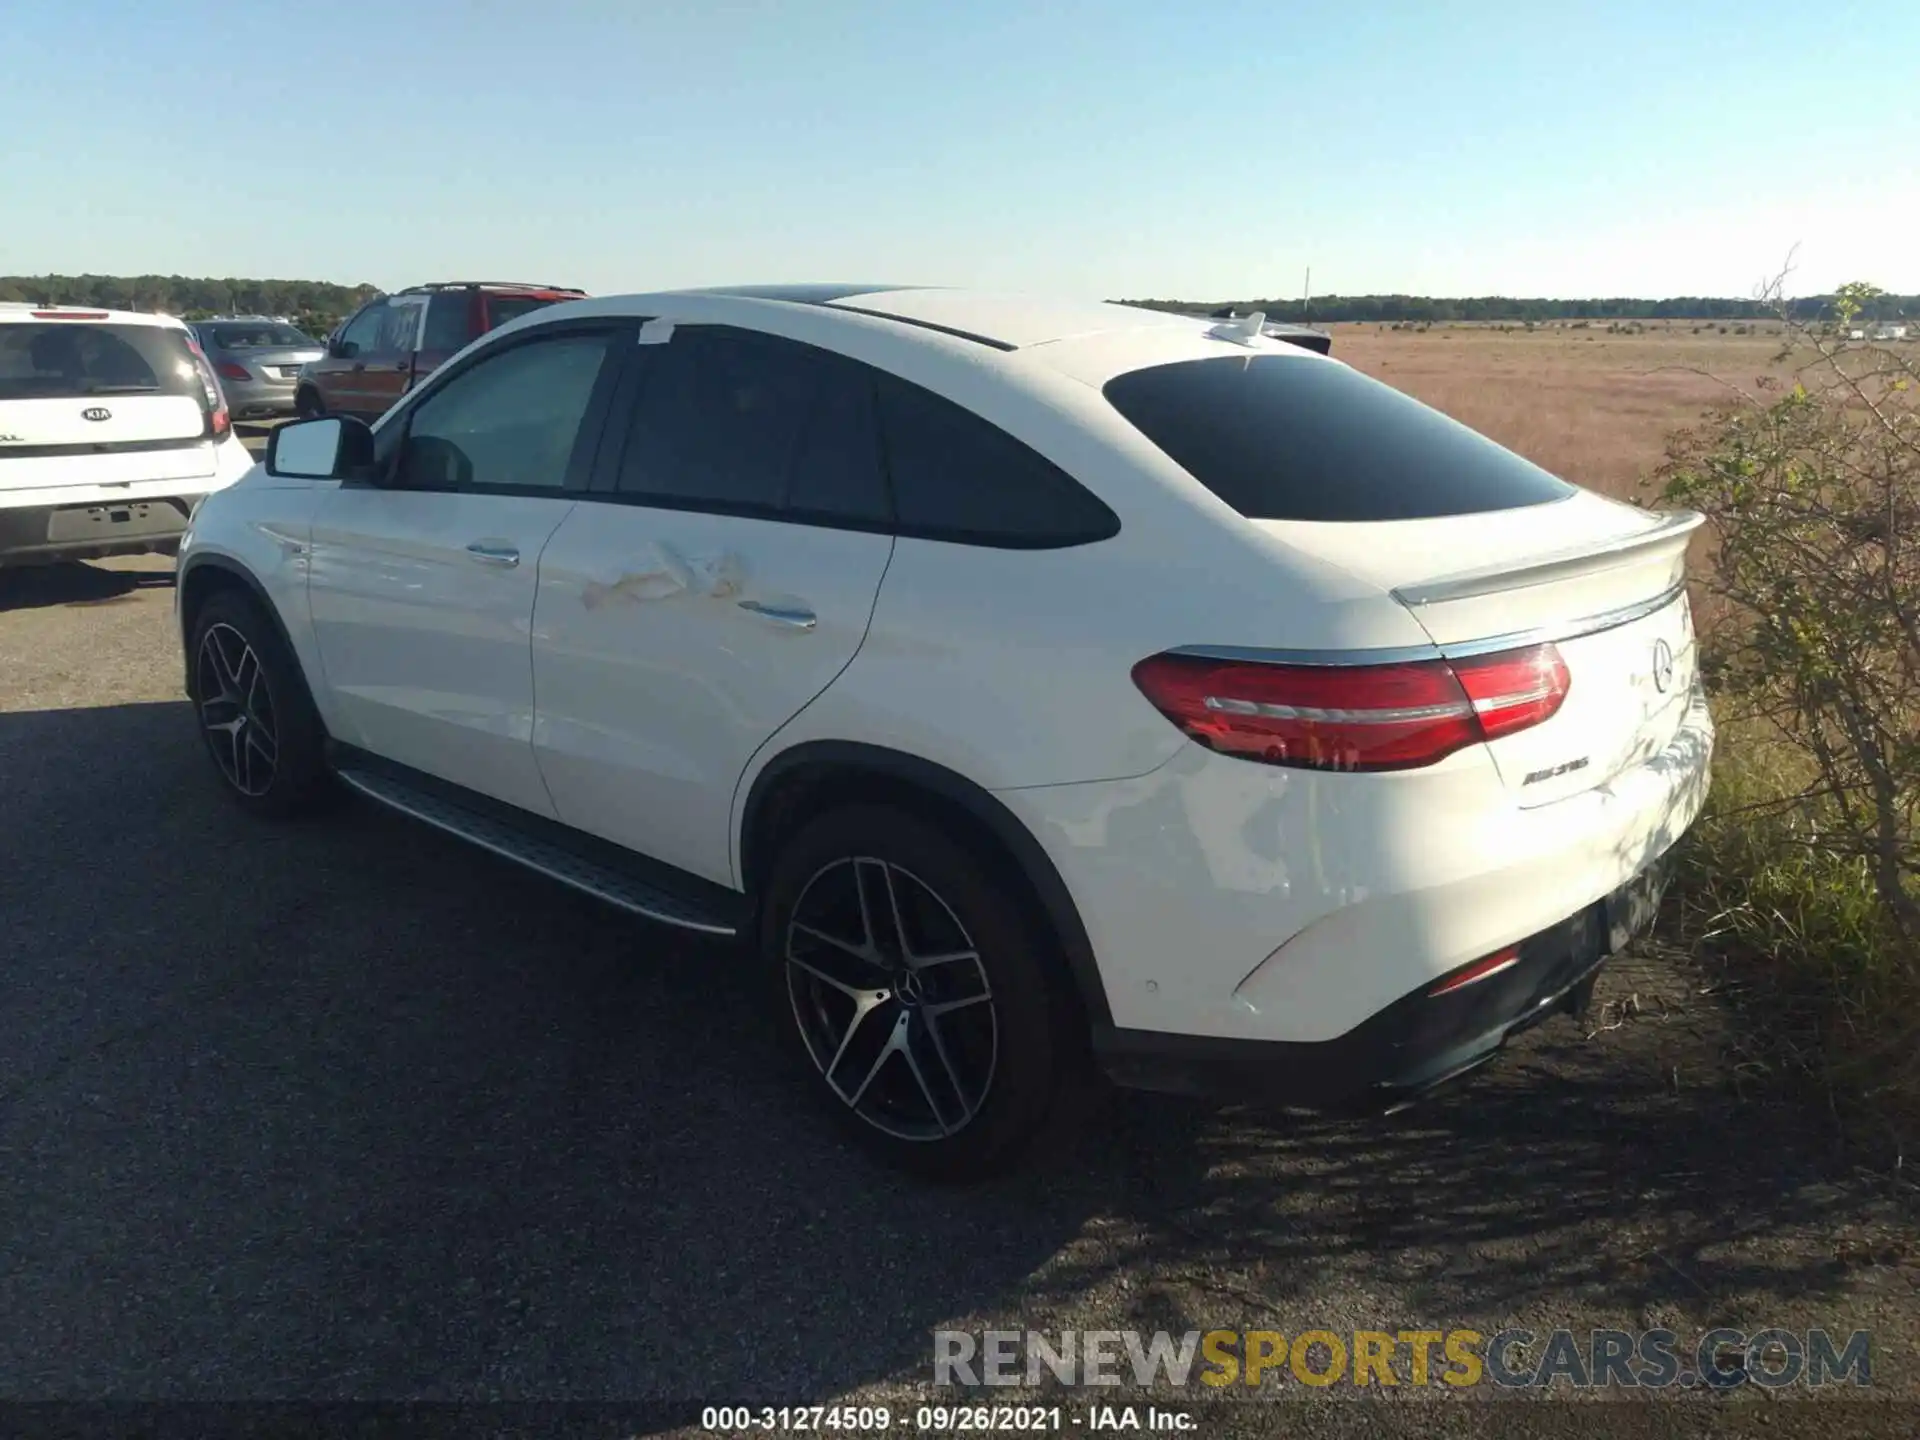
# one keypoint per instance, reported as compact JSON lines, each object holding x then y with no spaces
{"x":253,"y":709}
{"x":965,"y":1129}
{"x":307,"y":404}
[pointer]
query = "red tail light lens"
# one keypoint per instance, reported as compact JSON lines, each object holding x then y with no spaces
{"x":219,"y":422}
{"x":1515,"y":689}
{"x":227,"y":370}
{"x":1353,"y":717}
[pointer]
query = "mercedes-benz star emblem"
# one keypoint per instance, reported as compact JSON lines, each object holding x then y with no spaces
{"x":1662,"y":666}
{"x":96,"y":412}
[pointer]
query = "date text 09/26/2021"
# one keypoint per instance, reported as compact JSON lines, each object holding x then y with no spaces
{"x":946,"y":1419}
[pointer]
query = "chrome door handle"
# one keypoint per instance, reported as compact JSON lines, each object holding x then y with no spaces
{"x":494,"y":554}
{"x":797,"y":616}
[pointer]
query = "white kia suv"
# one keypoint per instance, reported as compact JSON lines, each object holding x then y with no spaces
{"x":112,"y":427}
{"x":1024,"y":683}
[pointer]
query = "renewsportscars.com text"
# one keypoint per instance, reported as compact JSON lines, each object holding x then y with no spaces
{"x":1459,"y":1358}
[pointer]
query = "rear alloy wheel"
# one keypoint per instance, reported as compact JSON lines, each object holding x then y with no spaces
{"x":891,"y":999}
{"x":915,"y":989}
{"x":255,"y":716}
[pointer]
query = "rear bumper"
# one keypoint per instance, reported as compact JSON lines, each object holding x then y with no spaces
{"x":46,"y":533}
{"x":1241,"y":902}
{"x":1413,"y":1045}
{"x":247,"y":402}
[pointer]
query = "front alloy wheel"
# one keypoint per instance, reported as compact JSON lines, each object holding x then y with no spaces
{"x":891,"y":999}
{"x":254,"y":712}
{"x":236,"y":710}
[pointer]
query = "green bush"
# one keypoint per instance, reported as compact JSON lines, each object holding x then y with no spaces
{"x":1806,"y":869}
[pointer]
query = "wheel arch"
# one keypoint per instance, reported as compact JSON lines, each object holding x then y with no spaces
{"x":818,"y":774}
{"x":201,"y":577}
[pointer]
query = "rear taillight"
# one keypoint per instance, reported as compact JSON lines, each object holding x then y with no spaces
{"x":219,"y":422}
{"x":227,"y":370}
{"x":1514,"y":689}
{"x":1354,"y":717}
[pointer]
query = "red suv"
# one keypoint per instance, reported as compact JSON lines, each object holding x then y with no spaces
{"x":389,"y":345}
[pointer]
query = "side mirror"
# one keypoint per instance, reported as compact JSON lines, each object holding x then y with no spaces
{"x":343,"y":349}
{"x":330,"y":448}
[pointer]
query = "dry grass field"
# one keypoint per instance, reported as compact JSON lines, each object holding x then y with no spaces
{"x":1594,"y":407}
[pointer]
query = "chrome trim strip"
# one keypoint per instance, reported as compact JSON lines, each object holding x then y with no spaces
{"x":1570,"y":629}
{"x":1407,"y":654}
{"x":440,"y":823}
{"x":1494,"y":579}
{"x":1255,"y":654}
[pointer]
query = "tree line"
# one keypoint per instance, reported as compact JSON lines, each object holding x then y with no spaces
{"x":320,"y":305}
{"x":314,"y":305}
{"x":1385,"y":308}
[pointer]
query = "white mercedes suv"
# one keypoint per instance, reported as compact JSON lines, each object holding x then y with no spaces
{"x":112,"y":426}
{"x":1026,"y":684}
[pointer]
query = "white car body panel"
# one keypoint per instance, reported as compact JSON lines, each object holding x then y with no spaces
{"x":657,"y":684}
{"x":1243,"y":901}
{"x":426,"y":646}
{"x":261,"y":528}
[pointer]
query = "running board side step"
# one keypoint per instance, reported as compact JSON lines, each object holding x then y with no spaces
{"x":555,"y":860}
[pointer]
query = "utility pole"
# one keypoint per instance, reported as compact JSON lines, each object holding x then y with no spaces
{"x":1306,"y":290}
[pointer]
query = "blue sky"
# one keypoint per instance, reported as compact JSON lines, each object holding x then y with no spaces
{"x":1136,"y":148}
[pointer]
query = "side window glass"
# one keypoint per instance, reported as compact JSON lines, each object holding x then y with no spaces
{"x":447,"y":322}
{"x":402,"y":324}
{"x":958,"y":477}
{"x":719,"y":420}
{"x":510,"y":421}
{"x":364,"y":329}
{"x":837,"y":474}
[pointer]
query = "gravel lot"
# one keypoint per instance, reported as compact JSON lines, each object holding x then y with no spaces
{"x":345,"y":1110}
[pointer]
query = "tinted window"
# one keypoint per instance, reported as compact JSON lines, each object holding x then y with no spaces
{"x":957,"y":477}
{"x":836,"y":471}
{"x":364,"y":328}
{"x":1287,"y":438}
{"x":740,"y":421}
{"x":257,"y":337}
{"x":502,"y":308}
{"x":63,"y":359}
{"x":447,"y":324}
{"x":511,"y":420}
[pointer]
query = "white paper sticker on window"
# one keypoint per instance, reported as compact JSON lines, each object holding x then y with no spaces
{"x":656,"y":332}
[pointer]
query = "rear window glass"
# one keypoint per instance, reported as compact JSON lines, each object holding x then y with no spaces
{"x":64,"y":360}
{"x":502,"y":308}
{"x":1290,"y":438}
{"x":259,"y":337}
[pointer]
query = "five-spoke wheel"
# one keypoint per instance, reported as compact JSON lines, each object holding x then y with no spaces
{"x":236,"y":710}
{"x":891,"y":998}
{"x":255,"y":715}
{"x":916,"y":986}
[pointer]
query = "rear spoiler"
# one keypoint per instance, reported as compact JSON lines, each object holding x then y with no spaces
{"x":1244,"y":327}
{"x":1670,"y":533}
{"x":1318,"y":341}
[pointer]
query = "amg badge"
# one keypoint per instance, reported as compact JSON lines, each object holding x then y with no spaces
{"x":1552,"y":771}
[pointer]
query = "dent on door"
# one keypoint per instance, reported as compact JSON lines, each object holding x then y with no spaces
{"x":660,"y":573}
{"x":668,"y":647}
